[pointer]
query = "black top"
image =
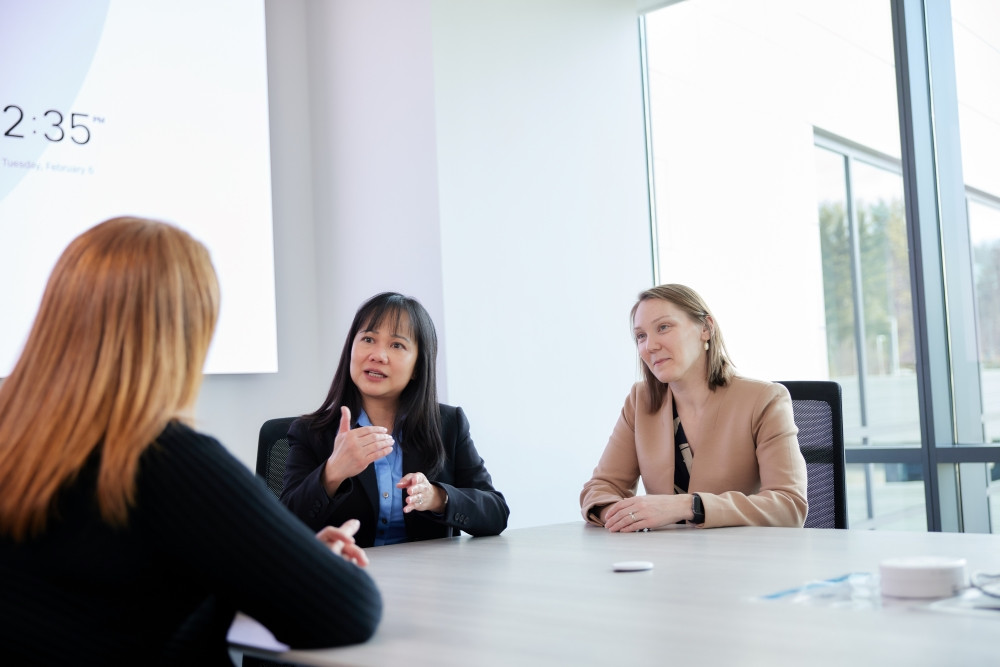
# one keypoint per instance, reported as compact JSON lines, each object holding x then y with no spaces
{"x":205,"y":539}
{"x":474,"y":506}
{"x":682,"y":454}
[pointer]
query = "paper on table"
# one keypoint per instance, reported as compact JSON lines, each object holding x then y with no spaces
{"x":245,"y":631}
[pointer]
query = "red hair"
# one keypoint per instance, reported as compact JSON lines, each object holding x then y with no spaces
{"x":115,"y":353}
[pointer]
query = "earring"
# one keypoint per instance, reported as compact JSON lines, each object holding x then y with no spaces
{"x":706,"y":344}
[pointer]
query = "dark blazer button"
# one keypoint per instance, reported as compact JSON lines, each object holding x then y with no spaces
{"x":384,"y":520}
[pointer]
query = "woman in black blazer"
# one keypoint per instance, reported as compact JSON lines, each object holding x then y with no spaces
{"x":381,"y":449}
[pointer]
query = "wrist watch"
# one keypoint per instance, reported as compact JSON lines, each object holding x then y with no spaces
{"x":698,"y":509}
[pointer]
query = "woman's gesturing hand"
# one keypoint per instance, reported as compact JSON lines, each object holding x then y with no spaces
{"x":353,"y":450}
{"x":341,"y":542}
{"x":421,"y":495}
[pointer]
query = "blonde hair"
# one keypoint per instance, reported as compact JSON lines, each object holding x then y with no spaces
{"x":719,"y":366}
{"x":115,"y":353}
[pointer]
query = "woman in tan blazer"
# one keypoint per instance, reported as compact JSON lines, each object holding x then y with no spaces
{"x":711,"y":448}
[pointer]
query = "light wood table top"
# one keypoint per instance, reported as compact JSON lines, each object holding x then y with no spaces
{"x":548,"y":595}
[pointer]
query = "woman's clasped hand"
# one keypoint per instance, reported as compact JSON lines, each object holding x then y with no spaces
{"x":644,"y":513}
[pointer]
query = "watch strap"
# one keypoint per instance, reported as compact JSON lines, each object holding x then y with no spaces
{"x":698,"y":509}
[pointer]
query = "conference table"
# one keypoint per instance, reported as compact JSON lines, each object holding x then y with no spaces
{"x":548,"y":595}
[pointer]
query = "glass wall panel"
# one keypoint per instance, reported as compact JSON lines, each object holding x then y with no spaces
{"x":866,"y":290}
{"x":976,"y":36}
{"x":984,"y":231}
{"x":896,"y":494}
{"x":836,"y":243}
{"x":739,"y":91}
{"x":778,"y":194}
{"x":887,"y":309}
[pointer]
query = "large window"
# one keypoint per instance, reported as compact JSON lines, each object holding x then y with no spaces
{"x":866,"y":289}
{"x":869,"y":325}
{"x":976,"y":30}
{"x":984,"y":231}
{"x":779,"y":192}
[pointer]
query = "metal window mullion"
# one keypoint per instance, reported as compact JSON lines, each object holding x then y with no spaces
{"x":853,"y":235}
{"x":654,"y":240}
{"x":856,"y":151}
{"x":882,"y":455}
{"x":926,"y":264}
{"x":956,"y":241}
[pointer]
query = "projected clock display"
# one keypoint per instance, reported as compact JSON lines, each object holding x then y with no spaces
{"x":53,"y":124}
{"x":96,"y":122}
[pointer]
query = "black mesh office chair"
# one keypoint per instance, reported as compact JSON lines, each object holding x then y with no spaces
{"x":819,"y":415}
{"x":272,"y":450}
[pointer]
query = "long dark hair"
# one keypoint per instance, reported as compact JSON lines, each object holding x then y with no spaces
{"x":418,"y":417}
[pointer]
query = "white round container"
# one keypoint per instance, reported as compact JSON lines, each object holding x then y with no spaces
{"x":923,"y":577}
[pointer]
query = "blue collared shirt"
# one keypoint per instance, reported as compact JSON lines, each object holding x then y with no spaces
{"x":390,"y":527}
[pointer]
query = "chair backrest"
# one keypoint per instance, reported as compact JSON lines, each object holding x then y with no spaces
{"x":819,"y":414}
{"x":272,"y":450}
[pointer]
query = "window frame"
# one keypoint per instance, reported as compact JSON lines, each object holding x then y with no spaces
{"x":953,"y":453}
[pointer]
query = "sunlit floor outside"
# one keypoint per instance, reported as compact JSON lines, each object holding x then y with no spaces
{"x":897,"y":504}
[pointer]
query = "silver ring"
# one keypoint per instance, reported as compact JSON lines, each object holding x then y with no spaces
{"x":632,"y":514}
{"x":420,"y":500}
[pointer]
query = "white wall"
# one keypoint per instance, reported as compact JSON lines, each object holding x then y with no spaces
{"x":545,"y":233}
{"x":374,"y":161}
{"x":232,"y":407}
{"x":488,"y":159}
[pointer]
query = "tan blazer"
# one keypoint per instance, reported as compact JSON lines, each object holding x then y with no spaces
{"x":747,"y":465}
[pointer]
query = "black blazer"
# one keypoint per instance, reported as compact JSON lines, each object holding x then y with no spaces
{"x":473,"y":504}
